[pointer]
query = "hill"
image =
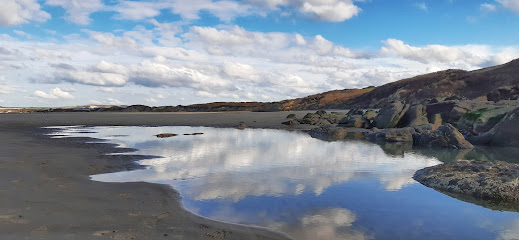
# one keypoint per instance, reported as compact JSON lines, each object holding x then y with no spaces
{"x":494,"y":83}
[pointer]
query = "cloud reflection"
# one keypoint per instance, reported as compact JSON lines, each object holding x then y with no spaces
{"x":233,"y":164}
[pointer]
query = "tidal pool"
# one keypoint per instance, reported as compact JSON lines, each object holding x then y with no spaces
{"x":305,"y":187}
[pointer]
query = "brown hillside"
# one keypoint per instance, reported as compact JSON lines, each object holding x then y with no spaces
{"x":456,"y":84}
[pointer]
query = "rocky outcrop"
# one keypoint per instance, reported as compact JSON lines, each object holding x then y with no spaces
{"x":354,"y":121}
{"x":496,"y":181}
{"x":393,"y":135}
{"x":291,"y":122}
{"x":482,"y":120}
{"x":389,"y":116}
{"x":504,"y":93}
{"x":447,"y":136}
{"x":328,"y":133}
{"x":320,"y":118}
{"x":506,"y":132}
{"x":415,"y":116}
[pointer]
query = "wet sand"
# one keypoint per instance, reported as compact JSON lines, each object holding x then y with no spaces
{"x":46,"y":192}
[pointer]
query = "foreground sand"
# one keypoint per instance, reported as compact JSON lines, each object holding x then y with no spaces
{"x":46,"y":193}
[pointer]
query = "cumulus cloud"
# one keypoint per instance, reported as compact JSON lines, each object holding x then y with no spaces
{"x":150,"y":73}
{"x":110,"y":39}
{"x":133,"y":10}
{"x":55,"y":93}
{"x":429,"y":53}
{"x":284,"y":47}
{"x":510,"y":4}
{"x":325,"y":10}
{"x":78,"y":11}
{"x":102,"y":74}
{"x":16,"y":12}
{"x":332,"y":11}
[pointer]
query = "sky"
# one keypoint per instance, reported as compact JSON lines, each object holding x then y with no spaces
{"x":179,"y":52}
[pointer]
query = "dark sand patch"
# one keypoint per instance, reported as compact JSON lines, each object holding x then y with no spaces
{"x":46,"y":193}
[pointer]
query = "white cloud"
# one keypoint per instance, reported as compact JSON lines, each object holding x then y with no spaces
{"x":102,"y":74}
{"x":422,"y":6}
{"x":107,"y":90}
{"x":224,"y":10}
{"x":330,"y":10}
{"x":151,"y":100}
{"x":91,"y":78}
{"x":429,"y":53}
{"x":133,"y":10}
{"x":108,"y":101}
{"x":78,"y":11}
{"x":158,"y":74}
{"x":55,"y":93}
{"x":110,"y":39}
{"x":112,"y":101}
{"x":510,"y":4}
{"x":16,"y":12}
{"x":4,"y":89}
{"x":487,"y":7}
{"x":325,"y":10}
{"x":21,"y":33}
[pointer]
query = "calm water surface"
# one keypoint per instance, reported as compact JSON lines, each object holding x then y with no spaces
{"x":308,"y":188}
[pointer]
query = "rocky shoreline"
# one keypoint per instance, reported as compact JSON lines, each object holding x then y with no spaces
{"x":496,"y":183}
{"x":451,"y":124}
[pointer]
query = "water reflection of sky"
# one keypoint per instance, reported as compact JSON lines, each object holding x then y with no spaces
{"x":308,"y":188}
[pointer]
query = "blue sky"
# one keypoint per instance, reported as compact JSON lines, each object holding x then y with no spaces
{"x":170,"y":52}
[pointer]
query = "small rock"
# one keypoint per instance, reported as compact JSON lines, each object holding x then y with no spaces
{"x":166,"y":135}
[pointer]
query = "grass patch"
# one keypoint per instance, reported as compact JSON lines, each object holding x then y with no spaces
{"x":496,"y":119}
{"x":474,"y":115}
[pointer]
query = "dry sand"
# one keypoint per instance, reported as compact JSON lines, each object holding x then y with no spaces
{"x":46,"y":193}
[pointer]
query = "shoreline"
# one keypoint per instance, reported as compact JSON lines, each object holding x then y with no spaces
{"x":46,"y":191}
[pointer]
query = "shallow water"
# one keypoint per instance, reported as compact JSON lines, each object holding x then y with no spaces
{"x":308,"y":188}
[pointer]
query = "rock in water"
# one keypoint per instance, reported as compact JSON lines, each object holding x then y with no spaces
{"x":328,"y":133}
{"x":166,"y":135}
{"x":393,"y":135}
{"x":389,"y":117}
{"x":498,"y":181}
{"x":446,"y":136}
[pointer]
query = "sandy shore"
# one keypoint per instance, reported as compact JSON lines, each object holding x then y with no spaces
{"x":46,"y":193}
